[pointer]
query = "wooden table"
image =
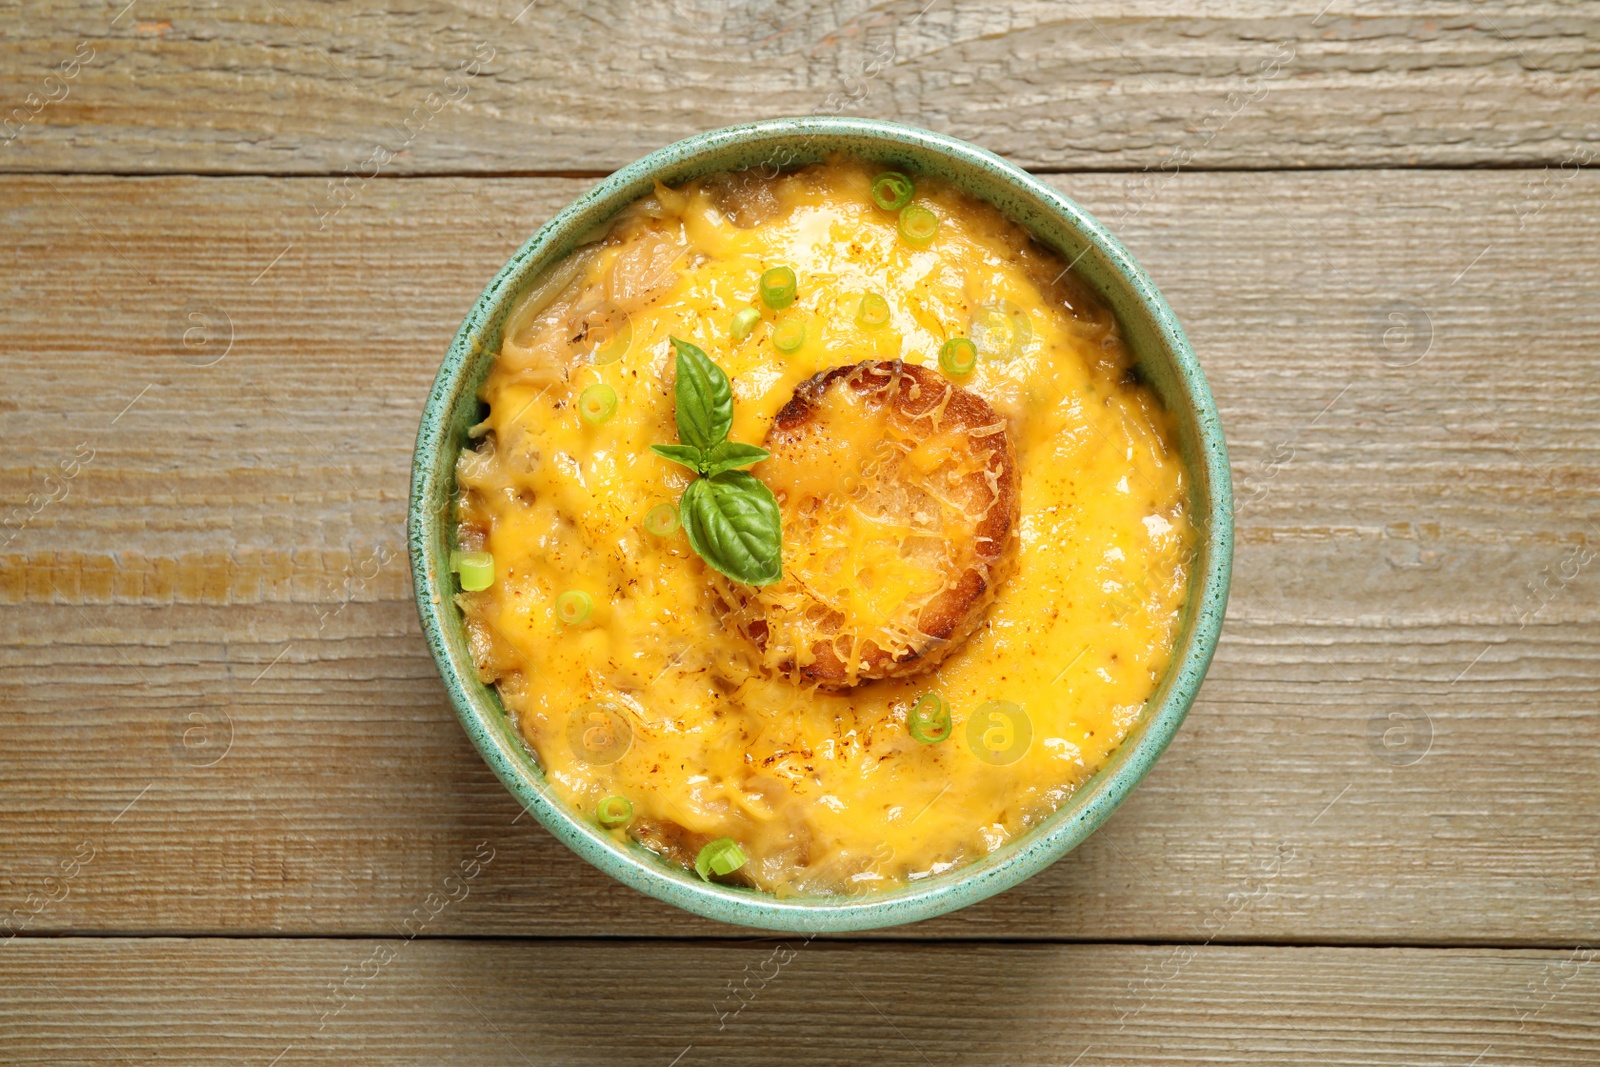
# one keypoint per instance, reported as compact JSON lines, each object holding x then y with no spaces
{"x":237,"y":241}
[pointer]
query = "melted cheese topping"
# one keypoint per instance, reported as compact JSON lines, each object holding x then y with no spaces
{"x":653,"y":698}
{"x":884,"y":496}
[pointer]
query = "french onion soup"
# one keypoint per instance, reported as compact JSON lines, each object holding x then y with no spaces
{"x":820,"y":535}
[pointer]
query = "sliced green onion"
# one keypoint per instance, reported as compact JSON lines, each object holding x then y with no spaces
{"x":597,"y":403}
{"x":729,"y":859}
{"x":722,"y":856}
{"x":789,"y":335}
{"x":615,"y":811}
{"x":662,"y":520}
{"x":744,"y":321}
{"x":958,"y":356}
{"x":918,"y":225}
{"x":778,"y":287}
{"x":892,"y":190}
{"x":929,"y":719}
{"x":476,"y":569}
{"x":874,"y":311}
{"x":574,"y":606}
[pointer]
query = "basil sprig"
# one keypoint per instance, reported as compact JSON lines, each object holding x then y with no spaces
{"x":730,"y":515}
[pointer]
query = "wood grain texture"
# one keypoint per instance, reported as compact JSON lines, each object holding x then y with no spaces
{"x":426,"y":1002}
{"x":295,"y":86}
{"x":212,"y":679}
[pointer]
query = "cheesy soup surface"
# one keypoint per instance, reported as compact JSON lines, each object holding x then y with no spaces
{"x":655,"y":695}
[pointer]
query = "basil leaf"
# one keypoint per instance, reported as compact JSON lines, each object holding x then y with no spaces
{"x":733,"y":523}
{"x":688,"y":455}
{"x":731,"y":454}
{"x":731,"y":517}
{"x":703,"y":397}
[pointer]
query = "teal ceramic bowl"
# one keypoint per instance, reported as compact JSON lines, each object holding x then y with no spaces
{"x":1153,"y":335}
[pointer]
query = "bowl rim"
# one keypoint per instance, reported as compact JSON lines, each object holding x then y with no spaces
{"x":1043,"y":844}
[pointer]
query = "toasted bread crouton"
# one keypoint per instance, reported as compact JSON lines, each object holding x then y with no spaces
{"x":898,"y":491}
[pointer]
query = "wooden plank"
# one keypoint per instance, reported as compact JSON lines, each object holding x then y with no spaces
{"x":196,"y":627}
{"x":85,"y":1001}
{"x":505,"y":86}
